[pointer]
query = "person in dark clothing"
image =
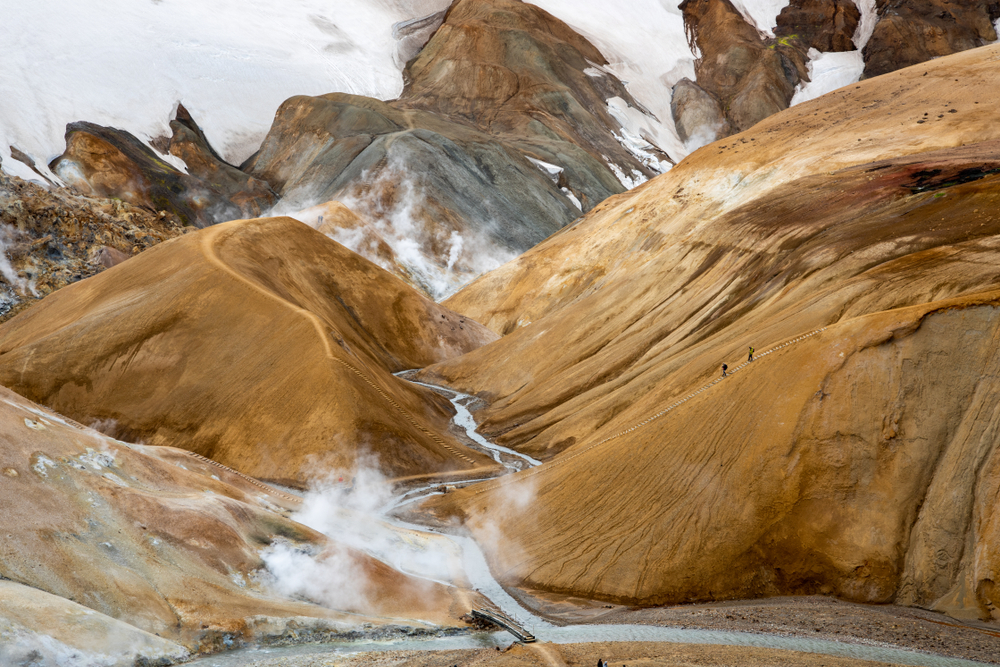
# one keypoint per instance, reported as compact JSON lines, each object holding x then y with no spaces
{"x":751,"y":354}
{"x":724,"y":369}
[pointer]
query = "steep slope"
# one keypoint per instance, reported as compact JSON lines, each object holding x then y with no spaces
{"x":260,"y":344}
{"x":853,"y":240}
{"x":164,"y":541}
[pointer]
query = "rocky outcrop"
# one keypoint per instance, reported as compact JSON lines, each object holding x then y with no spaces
{"x":909,"y":32}
{"x":697,"y":115}
{"x":851,"y":240}
{"x":53,"y":237}
{"x":824,"y":25}
{"x":260,"y":344}
{"x":446,"y":165}
{"x":750,"y":78}
{"x":250,"y":195}
{"x":147,"y":541}
{"x":108,"y":162}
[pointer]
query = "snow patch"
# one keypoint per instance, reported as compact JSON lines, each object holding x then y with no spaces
{"x":636,"y":179}
{"x":762,"y":14}
{"x":869,"y":17}
{"x":646,"y":48}
{"x":126,"y":64}
{"x":550,"y":170}
{"x":572,"y":198}
{"x":634,"y":126}
{"x":829,"y":71}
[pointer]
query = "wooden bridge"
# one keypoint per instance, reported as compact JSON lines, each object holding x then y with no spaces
{"x":511,"y":625}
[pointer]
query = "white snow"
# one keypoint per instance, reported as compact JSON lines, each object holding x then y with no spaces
{"x":572,"y":197}
{"x":126,"y":63}
{"x":829,"y":71}
{"x":550,"y":170}
{"x":762,"y":14}
{"x":645,"y":46}
{"x":869,"y":17}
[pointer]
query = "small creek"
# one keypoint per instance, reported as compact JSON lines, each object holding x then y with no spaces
{"x":478,"y":573}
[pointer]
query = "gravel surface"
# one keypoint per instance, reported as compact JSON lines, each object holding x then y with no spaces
{"x":626,"y":654}
{"x":815,"y":617}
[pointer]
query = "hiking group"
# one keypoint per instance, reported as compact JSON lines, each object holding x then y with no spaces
{"x":726,"y":368}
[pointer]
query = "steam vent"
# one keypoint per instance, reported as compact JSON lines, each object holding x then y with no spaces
{"x":490,"y":333}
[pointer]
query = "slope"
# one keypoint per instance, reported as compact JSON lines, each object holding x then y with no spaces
{"x":164,"y":541}
{"x":860,"y":460}
{"x":260,"y":344}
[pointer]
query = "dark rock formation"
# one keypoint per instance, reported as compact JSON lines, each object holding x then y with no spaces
{"x":108,"y":162}
{"x":824,"y":25}
{"x":914,"y":31}
{"x":750,"y":78}
{"x":252,"y":196}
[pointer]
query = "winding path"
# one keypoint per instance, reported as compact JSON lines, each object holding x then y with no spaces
{"x":209,"y":239}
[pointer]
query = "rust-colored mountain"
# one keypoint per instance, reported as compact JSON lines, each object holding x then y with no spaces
{"x":261,"y":344}
{"x":853,"y":241}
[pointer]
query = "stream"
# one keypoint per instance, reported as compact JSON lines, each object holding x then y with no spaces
{"x":477,"y":571}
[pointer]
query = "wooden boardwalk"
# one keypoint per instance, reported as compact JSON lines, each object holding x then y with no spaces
{"x":506,"y":622}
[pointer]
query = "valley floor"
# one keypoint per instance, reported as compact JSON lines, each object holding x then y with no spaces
{"x":627,"y":654}
{"x":815,"y":617}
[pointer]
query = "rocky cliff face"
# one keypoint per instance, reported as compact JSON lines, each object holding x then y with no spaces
{"x":744,"y":76}
{"x":908,"y":33}
{"x":827,"y":465}
{"x":224,"y":320}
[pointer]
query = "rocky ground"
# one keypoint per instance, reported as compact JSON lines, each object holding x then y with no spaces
{"x":627,"y":654}
{"x":51,"y":238}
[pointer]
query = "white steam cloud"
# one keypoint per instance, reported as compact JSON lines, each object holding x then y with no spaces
{"x":349,"y":507}
{"x":396,"y":213}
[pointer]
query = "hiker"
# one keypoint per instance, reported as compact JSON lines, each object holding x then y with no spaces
{"x":751,"y":354}
{"x":724,"y":369}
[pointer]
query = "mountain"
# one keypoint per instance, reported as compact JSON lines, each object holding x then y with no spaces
{"x":851,"y":241}
{"x":260,"y":344}
{"x":115,"y":553}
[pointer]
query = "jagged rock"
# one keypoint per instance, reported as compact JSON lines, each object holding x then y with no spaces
{"x":697,"y":115}
{"x":53,"y":238}
{"x":189,"y":143}
{"x":861,"y":461}
{"x":272,"y":349}
{"x":824,"y":25}
{"x":751,"y":79}
{"x":163,"y":541}
{"x":108,"y":162}
{"x":914,"y":31}
{"x":499,"y":80}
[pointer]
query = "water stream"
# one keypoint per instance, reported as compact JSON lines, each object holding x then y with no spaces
{"x":477,"y":572}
